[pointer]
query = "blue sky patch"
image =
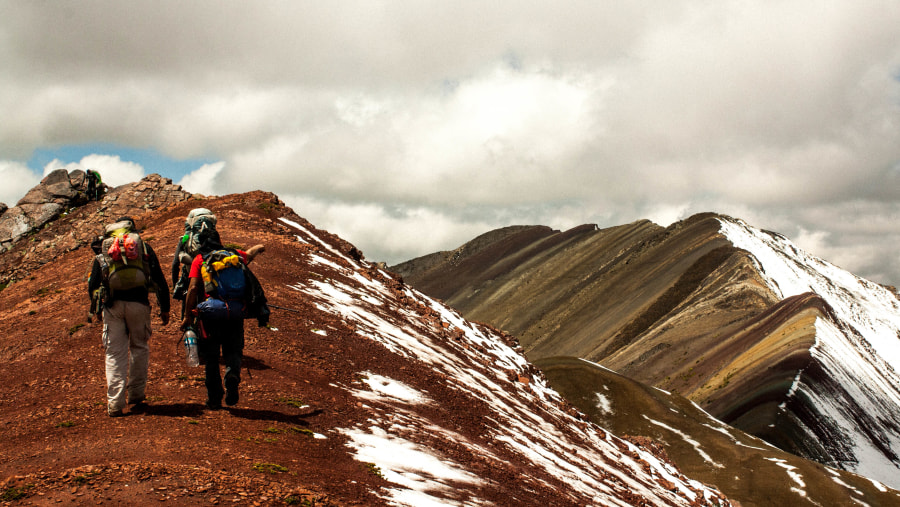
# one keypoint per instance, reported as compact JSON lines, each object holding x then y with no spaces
{"x":151,"y":160}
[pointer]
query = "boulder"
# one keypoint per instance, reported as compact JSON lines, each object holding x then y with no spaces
{"x":58,"y":191}
{"x":13,"y":225}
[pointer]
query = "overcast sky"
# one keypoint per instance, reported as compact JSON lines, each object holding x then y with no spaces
{"x":410,"y":127}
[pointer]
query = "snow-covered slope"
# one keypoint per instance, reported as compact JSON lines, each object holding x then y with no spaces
{"x":528,"y":431}
{"x":848,"y":399}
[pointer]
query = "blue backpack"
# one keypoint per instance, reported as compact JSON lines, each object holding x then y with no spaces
{"x":225,"y":281}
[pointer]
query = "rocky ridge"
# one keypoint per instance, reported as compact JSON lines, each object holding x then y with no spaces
{"x":61,"y":197}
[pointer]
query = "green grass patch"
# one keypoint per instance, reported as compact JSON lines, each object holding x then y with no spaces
{"x":294,"y":402}
{"x":14,"y":493}
{"x":75,"y":328}
{"x":82,"y":479}
{"x":272,"y":429}
{"x":302,"y":431}
{"x":267,"y":207}
{"x":193,"y":421}
{"x":303,"y":502}
{"x":66,"y":424}
{"x":374,"y":470}
{"x":269,"y":468}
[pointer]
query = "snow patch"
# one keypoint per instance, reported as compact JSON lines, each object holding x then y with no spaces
{"x":797,"y":478}
{"x":387,"y":387}
{"x":603,"y":404}
{"x":415,"y":468}
{"x":696,"y":445}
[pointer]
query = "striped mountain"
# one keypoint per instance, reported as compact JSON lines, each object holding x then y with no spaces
{"x":760,"y":334}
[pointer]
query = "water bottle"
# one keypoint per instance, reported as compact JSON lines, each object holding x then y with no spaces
{"x":190,"y":346}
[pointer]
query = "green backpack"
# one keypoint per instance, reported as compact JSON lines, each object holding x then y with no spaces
{"x":199,"y":226}
{"x":123,"y":258}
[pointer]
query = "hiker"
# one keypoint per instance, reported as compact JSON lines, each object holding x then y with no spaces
{"x":199,"y":227}
{"x":124,"y":272}
{"x":94,"y":185}
{"x":222,"y":292}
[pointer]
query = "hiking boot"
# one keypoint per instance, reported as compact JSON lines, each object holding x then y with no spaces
{"x":137,"y":401}
{"x":213,"y":405}
{"x":231,"y":397}
{"x":116,"y":413}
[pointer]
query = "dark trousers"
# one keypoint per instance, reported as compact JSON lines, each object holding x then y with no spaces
{"x":227,"y":337}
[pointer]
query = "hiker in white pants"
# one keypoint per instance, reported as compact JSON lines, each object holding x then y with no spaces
{"x":126,"y":336}
{"x":123,"y":274}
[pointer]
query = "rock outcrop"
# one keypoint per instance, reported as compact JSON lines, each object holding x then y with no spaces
{"x":57,"y":192}
{"x":56,"y":216}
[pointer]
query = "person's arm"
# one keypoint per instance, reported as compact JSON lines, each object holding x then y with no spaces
{"x":176,"y":263}
{"x":94,"y":280}
{"x":162,"y":287}
{"x":95,"y":284}
{"x":190,"y":302}
{"x":192,"y":298}
{"x":254,"y":251}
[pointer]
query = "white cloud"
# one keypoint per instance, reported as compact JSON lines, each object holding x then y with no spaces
{"x":471,"y":114}
{"x":203,"y":180}
{"x":17,"y":180}
{"x":384,"y":234}
{"x":113,"y":170}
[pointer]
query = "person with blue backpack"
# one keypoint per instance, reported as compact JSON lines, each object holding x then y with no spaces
{"x":221,"y":293}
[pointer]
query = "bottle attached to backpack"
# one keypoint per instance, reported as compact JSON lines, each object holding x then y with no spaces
{"x":190,"y":348}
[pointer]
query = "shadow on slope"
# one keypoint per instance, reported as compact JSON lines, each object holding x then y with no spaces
{"x":743,"y":467}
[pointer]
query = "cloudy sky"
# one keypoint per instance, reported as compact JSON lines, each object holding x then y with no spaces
{"x":410,"y":127}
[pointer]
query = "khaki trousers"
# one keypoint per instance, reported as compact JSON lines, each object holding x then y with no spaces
{"x":126,"y":336}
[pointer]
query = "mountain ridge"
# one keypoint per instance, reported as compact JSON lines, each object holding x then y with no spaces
{"x":680,"y":307}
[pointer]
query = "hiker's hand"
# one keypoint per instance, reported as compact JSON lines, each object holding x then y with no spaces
{"x":165,"y":318}
{"x":186,"y":323}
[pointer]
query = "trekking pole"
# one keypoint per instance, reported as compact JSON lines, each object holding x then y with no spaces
{"x":284,"y":308}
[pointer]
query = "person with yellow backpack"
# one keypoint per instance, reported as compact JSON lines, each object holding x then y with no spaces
{"x":222,"y":292}
{"x":124,"y":272}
